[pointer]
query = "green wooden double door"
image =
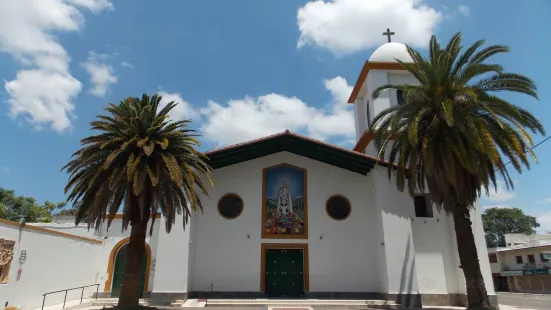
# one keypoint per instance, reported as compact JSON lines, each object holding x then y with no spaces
{"x":118,"y":272}
{"x":284,"y":276}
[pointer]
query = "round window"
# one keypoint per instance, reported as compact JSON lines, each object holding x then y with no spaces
{"x":230,"y":206}
{"x":338,"y":207}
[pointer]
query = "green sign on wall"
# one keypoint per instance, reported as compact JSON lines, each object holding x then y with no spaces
{"x":546,"y":255}
{"x":537,"y":271}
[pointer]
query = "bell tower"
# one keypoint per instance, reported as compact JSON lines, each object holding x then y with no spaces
{"x":380,"y":69}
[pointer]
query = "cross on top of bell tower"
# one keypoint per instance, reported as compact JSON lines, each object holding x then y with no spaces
{"x":388,"y":34}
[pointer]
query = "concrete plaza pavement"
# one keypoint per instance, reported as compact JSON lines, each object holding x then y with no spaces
{"x":525,"y":301}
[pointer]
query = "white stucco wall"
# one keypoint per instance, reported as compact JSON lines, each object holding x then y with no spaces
{"x":432,"y":251}
{"x":481,"y":248}
{"x":482,"y":252}
{"x":360,"y":111}
{"x":356,"y":122}
{"x":172,"y":263}
{"x":395,"y":211}
{"x":376,"y":78}
{"x":437,"y":270}
{"x":110,"y":237}
{"x":401,"y":77}
{"x":345,"y":259}
{"x":53,"y":263}
{"x":431,"y":241}
{"x":360,"y":108}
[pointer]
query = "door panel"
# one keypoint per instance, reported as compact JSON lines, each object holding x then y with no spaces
{"x":295,"y":273}
{"x":118,"y":272}
{"x":284,"y":276}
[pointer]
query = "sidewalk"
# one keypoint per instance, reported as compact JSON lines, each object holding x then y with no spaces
{"x":504,"y":307}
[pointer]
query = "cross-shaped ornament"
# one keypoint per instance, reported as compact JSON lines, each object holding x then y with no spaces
{"x":388,"y":34}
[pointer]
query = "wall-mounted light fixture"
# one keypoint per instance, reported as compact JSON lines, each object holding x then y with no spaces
{"x":22,"y":257}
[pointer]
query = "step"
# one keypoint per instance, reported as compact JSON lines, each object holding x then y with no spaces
{"x":190,"y":303}
{"x":114,"y":301}
{"x":296,"y":302}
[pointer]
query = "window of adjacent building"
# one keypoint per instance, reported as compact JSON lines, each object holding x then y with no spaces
{"x":492,"y":257}
{"x":338,"y":207}
{"x":423,"y":206}
{"x":543,"y":259}
{"x":230,"y":206}
{"x":400,"y":97}
{"x":531,"y":259}
{"x":519,"y":259}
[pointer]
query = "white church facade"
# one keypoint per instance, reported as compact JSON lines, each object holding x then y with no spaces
{"x":288,"y":217}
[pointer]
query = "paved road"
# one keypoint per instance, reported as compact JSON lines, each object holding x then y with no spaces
{"x":525,"y":301}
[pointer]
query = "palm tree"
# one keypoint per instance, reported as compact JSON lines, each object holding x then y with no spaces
{"x":455,"y":136}
{"x":147,"y":163}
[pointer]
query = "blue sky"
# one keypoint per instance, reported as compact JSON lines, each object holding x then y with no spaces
{"x":241,"y":70}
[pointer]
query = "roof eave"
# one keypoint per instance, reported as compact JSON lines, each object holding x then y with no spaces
{"x":287,"y":141}
{"x":371,"y":65}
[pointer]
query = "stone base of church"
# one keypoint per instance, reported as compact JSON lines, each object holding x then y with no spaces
{"x":407,"y":300}
{"x":167,"y":298}
{"x":108,"y":295}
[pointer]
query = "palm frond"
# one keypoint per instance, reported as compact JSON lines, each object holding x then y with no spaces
{"x":454,"y":133}
{"x":141,"y":161}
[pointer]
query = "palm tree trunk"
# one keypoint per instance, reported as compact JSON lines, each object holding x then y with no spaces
{"x":477,"y":296}
{"x":131,"y":284}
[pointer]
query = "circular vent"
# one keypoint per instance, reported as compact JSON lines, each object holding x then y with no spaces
{"x":338,"y":207}
{"x":230,"y":206}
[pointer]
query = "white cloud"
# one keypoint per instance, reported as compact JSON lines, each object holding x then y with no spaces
{"x":101,"y":74}
{"x":5,"y":169}
{"x":183,"y":110}
{"x":43,"y":97}
{"x":500,"y":193}
{"x":545,"y":222}
{"x":545,"y":200}
{"x":348,"y":26}
{"x":44,"y":89}
{"x":249,"y":118}
{"x":127,"y":64}
{"x":463,"y":9}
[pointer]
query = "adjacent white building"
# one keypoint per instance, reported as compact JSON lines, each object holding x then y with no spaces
{"x":293,"y":217}
{"x":524,"y":265}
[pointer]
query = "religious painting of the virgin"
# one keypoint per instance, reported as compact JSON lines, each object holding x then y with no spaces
{"x":284,"y":209}
{"x":6,"y":256}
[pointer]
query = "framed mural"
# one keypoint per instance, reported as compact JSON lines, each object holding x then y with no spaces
{"x":284,"y":202}
{"x":6,"y":256}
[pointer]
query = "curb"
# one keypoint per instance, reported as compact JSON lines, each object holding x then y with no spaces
{"x":514,"y":293}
